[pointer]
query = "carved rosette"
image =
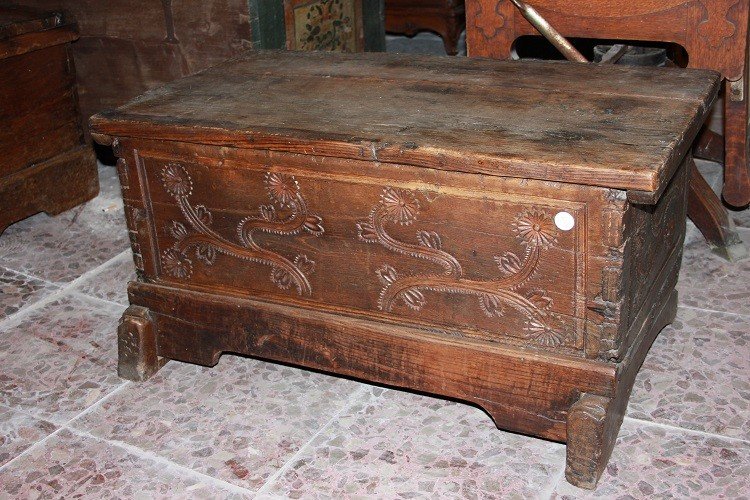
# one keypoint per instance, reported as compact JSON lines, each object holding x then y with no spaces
{"x":287,"y":215}
{"x":535,"y":231}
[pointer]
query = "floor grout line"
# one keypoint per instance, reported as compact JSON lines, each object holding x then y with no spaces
{"x":684,"y":429}
{"x":61,"y":291}
{"x":134,"y":450}
{"x":547,"y":494}
{"x":99,"y":402}
{"x":91,"y":272}
{"x":351,"y":402}
{"x":702,"y":309}
{"x":80,"y":294}
{"x":31,"y":448}
{"x":28,"y":414}
{"x":30,"y":276}
{"x":61,"y":427}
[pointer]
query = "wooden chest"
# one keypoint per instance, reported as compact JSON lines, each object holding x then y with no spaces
{"x":44,"y":163}
{"x":505,"y":233}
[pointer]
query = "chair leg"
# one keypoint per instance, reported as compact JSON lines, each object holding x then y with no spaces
{"x":450,"y":36}
{"x":707,"y":212}
{"x":736,"y":168}
{"x":709,"y":146}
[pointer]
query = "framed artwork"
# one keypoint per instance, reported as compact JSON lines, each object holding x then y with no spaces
{"x":332,"y":25}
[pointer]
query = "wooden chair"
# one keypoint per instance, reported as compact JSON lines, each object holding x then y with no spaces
{"x":444,"y":17}
{"x":714,"y":33}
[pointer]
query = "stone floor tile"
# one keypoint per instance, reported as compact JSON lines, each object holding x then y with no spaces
{"x":650,"y":461}
{"x":741,"y":218}
{"x":72,"y":466}
{"x":19,"y":431}
{"x":59,"y":359}
{"x":708,"y":281}
{"x":18,"y":290}
{"x":110,"y":281}
{"x":696,"y":375}
{"x":396,"y":444}
{"x":62,"y":248}
{"x":239,"y":421}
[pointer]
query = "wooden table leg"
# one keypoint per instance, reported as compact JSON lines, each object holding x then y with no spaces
{"x":450,"y":36}
{"x":736,"y":168}
{"x":709,"y":146}
{"x":707,"y":212}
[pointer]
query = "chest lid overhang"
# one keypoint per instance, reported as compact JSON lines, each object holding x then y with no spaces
{"x":25,"y":29}
{"x":612,"y":126}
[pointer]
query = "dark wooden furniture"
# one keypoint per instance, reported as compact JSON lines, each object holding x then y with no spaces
{"x":129,"y":46}
{"x":44,"y":164}
{"x":504,"y":233}
{"x":447,"y":18}
{"x":713,"y":32}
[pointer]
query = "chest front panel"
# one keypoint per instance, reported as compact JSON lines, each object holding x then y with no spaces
{"x":473,"y":256}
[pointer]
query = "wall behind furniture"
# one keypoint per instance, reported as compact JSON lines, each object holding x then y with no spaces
{"x":129,"y":46}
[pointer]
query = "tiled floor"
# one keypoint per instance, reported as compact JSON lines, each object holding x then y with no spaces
{"x":69,"y":427}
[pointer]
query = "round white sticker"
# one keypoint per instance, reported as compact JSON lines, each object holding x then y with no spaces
{"x":564,"y":221}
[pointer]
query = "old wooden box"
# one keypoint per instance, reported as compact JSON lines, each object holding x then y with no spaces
{"x":505,"y":233}
{"x":44,"y":163}
{"x":130,"y":46}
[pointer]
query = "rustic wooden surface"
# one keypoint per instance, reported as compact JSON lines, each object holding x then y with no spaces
{"x":43,"y":163}
{"x":129,"y":46}
{"x":497,"y":118}
{"x":714,"y":34}
{"x":378,"y":229}
{"x":447,"y":18}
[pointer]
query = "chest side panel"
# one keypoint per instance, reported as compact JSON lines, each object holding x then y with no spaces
{"x":37,"y":108}
{"x":461,"y":254}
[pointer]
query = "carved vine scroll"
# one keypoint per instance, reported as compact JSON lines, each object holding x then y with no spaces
{"x":287,"y":215}
{"x":535,"y":230}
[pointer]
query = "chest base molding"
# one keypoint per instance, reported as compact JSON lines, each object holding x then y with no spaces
{"x":556,"y":397}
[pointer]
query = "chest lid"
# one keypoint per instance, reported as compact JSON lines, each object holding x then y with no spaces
{"x":23,"y":29}
{"x":612,"y":126}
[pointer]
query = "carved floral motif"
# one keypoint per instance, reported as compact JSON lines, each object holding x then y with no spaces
{"x":286,"y":215}
{"x":533,"y":228}
{"x":326,"y":25}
